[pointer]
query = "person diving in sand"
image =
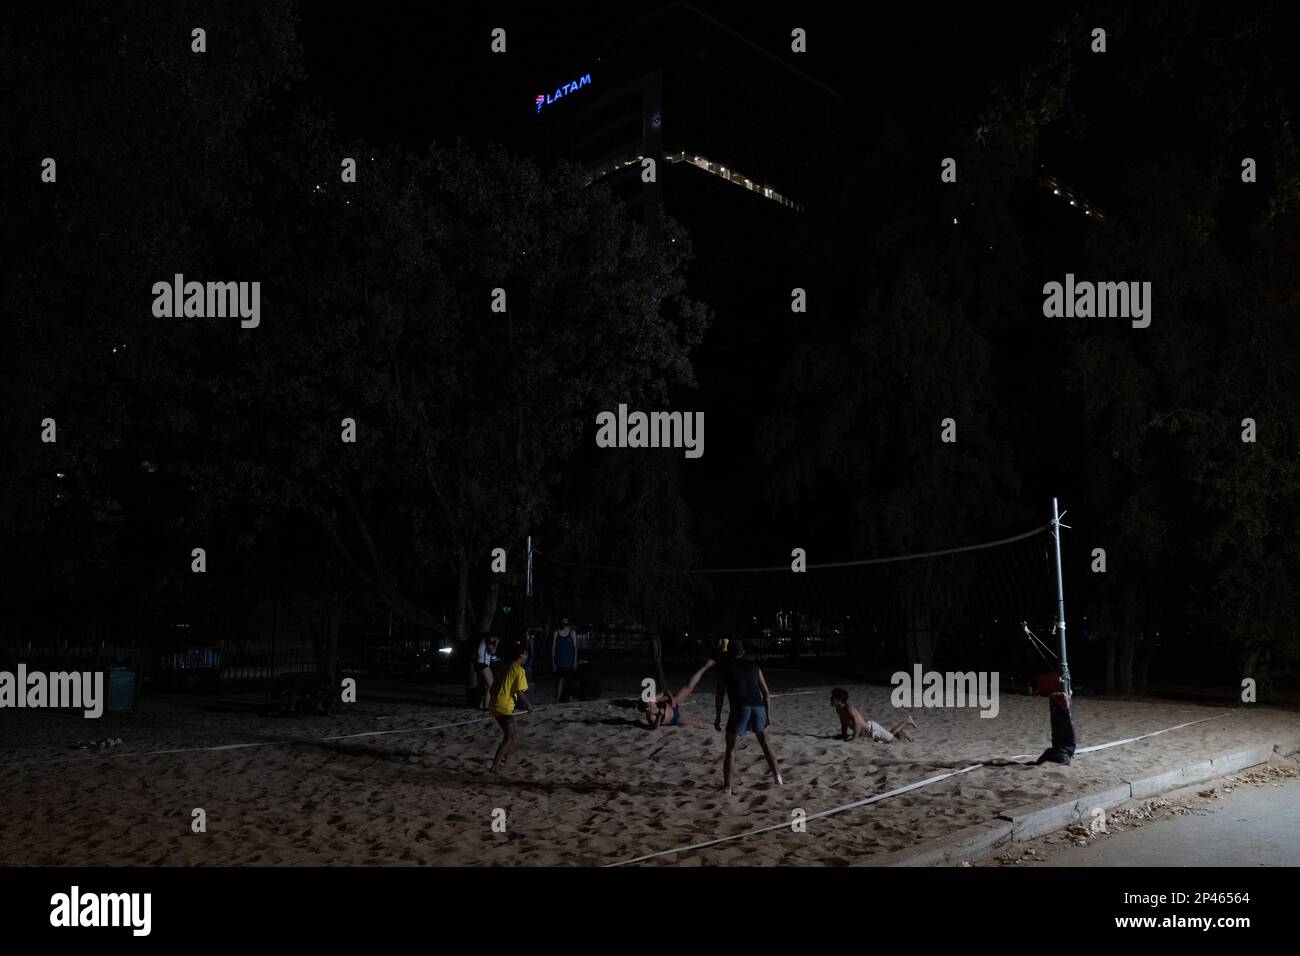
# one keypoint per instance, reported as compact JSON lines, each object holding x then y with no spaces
{"x":666,"y":709}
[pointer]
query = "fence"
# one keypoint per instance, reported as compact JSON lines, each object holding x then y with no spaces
{"x":271,"y":639}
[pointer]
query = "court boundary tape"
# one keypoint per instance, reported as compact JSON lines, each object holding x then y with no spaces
{"x":785,"y":824}
{"x":313,"y":740}
{"x":898,"y":791}
{"x":273,"y":743}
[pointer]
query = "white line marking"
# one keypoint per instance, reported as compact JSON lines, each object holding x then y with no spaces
{"x":893,"y":793}
{"x":1131,"y":740}
{"x":277,"y":743}
{"x":812,"y":816}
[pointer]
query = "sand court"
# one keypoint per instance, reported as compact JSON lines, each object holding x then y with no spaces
{"x":407,"y":783}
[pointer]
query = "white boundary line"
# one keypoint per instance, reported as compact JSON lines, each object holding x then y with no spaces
{"x":1132,"y":740}
{"x":367,"y":733}
{"x":477,"y":720}
{"x":273,"y":743}
{"x":812,"y":816}
{"x":314,"y":740}
{"x":892,"y":793}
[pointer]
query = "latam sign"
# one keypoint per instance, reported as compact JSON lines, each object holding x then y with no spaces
{"x":546,"y":99}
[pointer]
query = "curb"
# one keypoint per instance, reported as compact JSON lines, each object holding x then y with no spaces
{"x":951,"y":850}
{"x":1030,"y":822}
{"x":1026,"y":823}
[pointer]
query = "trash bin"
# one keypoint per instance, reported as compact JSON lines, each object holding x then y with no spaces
{"x":121,"y":689}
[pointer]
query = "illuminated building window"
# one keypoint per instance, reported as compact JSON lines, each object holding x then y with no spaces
{"x":1071,"y":197}
{"x":700,"y":162}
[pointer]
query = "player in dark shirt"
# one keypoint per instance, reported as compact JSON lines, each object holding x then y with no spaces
{"x":750,"y":708}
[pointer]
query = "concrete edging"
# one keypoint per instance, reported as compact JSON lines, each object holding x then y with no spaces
{"x":970,"y":844}
{"x":1026,"y":823}
{"x":1289,"y":747}
{"x":1030,"y":822}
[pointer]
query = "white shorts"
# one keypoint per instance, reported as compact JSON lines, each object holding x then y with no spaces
{"x":879,"y":733}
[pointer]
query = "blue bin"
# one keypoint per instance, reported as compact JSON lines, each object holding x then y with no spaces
{"x":121,"y":689}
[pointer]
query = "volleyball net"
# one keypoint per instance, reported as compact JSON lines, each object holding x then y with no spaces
{"x":961,"y":608}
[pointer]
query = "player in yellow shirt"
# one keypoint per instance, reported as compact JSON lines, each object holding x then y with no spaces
{"x":510,"y":685}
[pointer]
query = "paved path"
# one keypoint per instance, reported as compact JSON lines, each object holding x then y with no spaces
{"x":1252,"y":826}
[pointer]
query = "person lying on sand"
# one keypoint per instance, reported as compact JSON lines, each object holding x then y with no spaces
{"x":854,"y":725}
{"x":666,"y":709}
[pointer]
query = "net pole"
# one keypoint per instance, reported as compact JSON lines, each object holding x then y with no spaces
{"x":528,"y":590}
{"x":1060,"y":598}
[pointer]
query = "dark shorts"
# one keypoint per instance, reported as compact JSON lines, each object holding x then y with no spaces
{"x":505,"y":720}
{"x":563,"y":672}
{"x":744,"y":719}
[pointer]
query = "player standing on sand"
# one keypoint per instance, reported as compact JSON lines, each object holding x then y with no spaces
{"x":564,"y":656}
{"x":483,"y":661}
{"x":750,"y":708}
{"x":510,"y":686}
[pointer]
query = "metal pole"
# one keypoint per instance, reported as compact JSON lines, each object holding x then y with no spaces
{"x":1060,"y":598}
{"x":527,"y":616}
{"x":529,"y":588}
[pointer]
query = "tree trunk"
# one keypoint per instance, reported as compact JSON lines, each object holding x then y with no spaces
{"x":489,"y":612}
{"x":333,"y":626}
{"x":1124,"y":666}
{"x":1251,"y":669}
{"x":924,"y":642}
{"x":1146,"y":653}
{"x":654,"y":644}
{"x":462,"y":602}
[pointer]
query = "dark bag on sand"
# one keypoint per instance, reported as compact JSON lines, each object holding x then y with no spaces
{"x":1063,"y":742}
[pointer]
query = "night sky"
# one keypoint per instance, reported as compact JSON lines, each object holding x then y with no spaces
{"x":926,"y":301}
{"x":419,"y":75}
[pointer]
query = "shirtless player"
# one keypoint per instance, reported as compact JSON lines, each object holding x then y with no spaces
{"x":853,"y":724}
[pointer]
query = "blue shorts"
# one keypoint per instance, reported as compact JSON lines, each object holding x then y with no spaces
{"x":744,"y":719}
